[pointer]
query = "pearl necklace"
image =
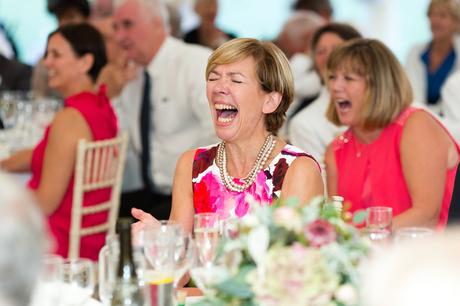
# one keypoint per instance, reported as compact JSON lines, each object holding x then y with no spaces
{"x":262,"y":158}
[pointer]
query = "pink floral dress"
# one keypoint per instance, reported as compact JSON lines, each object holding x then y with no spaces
{"x":211,"y":195}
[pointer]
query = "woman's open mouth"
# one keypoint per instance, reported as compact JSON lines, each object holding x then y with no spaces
{"x":343,"y":105}
{"x":225,"y":112}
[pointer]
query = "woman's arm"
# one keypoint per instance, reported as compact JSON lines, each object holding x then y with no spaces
{"x":18,"y":162}
{"x":303,"y":180}
{"x":67,"y":129}
{"x":331,"y":171}
{"x":424,"y":149}
{"x":182,"y":196}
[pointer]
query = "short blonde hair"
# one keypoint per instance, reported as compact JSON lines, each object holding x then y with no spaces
{"x":272,"y":70}
{"x":388,"y":90}
{"x":453,"y":5}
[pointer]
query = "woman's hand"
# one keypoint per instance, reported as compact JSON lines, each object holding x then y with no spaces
{"x":144,"y":218}
{"x":18,"y":162}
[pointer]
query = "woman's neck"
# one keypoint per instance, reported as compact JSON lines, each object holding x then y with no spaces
{"x":366,"y":136}
{"x":243,"y":154}
{"x":442,"y":45}
{"x":84,"y":85}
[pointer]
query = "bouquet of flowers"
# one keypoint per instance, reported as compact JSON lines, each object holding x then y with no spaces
{"x":290,"y":254}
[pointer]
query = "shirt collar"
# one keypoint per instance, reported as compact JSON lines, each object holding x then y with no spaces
{"x":156,"y":64}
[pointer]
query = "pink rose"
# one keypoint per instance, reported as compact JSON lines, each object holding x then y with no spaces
{"x":319,"y":233}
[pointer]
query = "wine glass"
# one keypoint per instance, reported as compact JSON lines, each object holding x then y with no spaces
{"x":406,"y":234}
{"x":378,"y":223}
{"x":184,"y":257}
{"x":78,"y":282}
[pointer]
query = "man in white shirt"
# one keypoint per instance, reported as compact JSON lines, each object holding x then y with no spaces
{"x":178,"y":113}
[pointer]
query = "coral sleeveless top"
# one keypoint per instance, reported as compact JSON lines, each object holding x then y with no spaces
{"x":211,"y":195}
{"x":101,"y":118}
{"x":372,"y":174}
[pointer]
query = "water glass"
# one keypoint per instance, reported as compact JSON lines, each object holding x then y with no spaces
{"x":78,"y":282}
{"x":107,"y":268}
{"x":378,"y":222}
{"x":206,"y":229}
{"x":406,"y":234}
{"x":160,"y":242}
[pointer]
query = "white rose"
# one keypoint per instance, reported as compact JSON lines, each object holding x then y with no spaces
{"x":347,"y":295}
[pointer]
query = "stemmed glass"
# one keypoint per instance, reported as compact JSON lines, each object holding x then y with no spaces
{"x":78,"y":282}
{"x":206,"y":272}
{"x":406,"y":234}
{"x":184,"y":257}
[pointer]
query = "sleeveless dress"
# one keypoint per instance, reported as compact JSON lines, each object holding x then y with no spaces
{"x":372,"y":174}
{"x":211,"y":195}
{"x":99,"y":115}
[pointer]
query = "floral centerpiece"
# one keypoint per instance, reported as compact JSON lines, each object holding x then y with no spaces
{"x":290,"y":254}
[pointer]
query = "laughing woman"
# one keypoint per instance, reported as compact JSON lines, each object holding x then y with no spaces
{"x":392,"y":154}
{"x":249,"y":88}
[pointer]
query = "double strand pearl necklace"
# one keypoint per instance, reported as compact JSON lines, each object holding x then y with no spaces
{"x":262,"y":158}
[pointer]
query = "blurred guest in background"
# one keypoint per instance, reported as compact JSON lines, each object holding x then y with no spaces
{"x":295,"y":41}
{"x":119,"y":70}
{"x":309,"y":128}
{"x":75,"y":55}
{"x":69,"y":11}
{"x":207,"y":33}
{"x":175,"y":20}
{"x":422,"y":272}
{"x":164,"y":108}
{"x":22,"y":243}
{"x":7,"y":45}
{"x":14,"y":75}
{"x":321,"y":7}
{"x":249,"y":88}
{"x":392,"y":154}
{"x":66,"y":12}
{"x":429,"y":65}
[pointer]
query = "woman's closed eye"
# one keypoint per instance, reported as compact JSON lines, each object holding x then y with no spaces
{"x":213,"y":77}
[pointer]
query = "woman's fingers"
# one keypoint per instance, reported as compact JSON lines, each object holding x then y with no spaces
{"x":143,"y":217}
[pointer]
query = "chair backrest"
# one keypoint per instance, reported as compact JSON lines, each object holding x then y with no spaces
{"x":454,"y":210}
{"x":99,"y":165}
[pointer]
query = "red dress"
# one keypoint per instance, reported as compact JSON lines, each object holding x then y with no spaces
{"x":99,"y":115}
{"x":372,"y":174}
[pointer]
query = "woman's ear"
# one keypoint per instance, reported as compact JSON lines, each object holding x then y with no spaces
{"x":272,"y":102}
{"x":86,"y":62}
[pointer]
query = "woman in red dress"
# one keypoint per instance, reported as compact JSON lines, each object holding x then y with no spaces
{"x":75,"y":55}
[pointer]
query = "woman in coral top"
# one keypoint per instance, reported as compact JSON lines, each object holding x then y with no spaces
{"x":392,"y":153}
{"x":74,"y":56}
